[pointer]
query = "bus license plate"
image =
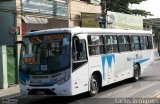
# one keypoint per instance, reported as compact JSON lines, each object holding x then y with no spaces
{"x":40,"y":93}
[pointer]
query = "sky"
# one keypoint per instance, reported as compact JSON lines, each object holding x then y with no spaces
{"x":152,"y":6}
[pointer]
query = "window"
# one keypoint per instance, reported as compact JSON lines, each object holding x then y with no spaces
{"x":111,"y":44}
{"x":143,"y":42}
{"x":83,"y":53}
{"x":95,"y":45}
{"x":79,"y":53}
{"x":121,"y":43}
{"x":150,"y":42}
{"x":127,"y":43}
{"x":146,"y":42}
{"x":124,"y":43}
{"x":79,"y":50}
{"x":135,"y":43}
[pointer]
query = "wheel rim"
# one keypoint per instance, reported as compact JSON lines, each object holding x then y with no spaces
{"x":94,"y":85}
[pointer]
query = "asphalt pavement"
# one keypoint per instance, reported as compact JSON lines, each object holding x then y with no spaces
{"x":144,"y":91}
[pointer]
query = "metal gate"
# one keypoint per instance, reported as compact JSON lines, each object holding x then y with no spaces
{"x":11,"y":66}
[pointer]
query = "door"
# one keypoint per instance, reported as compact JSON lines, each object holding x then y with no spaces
{"x":79,"y":66}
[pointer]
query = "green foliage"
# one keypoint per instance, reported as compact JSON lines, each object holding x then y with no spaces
{"x":122,"y":6}
{"x":136,"y":1}
{"x":141,"y":12}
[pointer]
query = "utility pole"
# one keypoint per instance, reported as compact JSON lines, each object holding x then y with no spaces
{"x":103,"y":21}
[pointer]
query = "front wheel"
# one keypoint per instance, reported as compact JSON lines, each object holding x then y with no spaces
{"x":136,"y":73}
{"x":94,"y":85}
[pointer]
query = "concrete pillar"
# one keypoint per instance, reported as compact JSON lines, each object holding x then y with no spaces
{"x":3,"y":67}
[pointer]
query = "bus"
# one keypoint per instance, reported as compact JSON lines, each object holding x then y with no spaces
{"x":71,"y":61}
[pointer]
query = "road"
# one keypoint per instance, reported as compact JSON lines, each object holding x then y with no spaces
{"x":147,"y":87}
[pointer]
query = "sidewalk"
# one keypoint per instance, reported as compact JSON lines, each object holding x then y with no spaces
{"x":13,"y":90}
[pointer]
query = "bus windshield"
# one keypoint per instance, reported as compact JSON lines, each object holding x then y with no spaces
{"x":43,"y":54}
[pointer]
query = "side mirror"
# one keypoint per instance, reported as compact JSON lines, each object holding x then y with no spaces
{"x":19,"y":42}
{"x":79,"y":47}
{"x":78,"y":44}
{"x":15,"y":47}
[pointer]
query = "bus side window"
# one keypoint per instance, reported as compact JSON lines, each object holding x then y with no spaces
{"x":150,"y":42}
{"x":142,"y":40}
{"x":127,"y":43}
{"x":111,"y":43}
{"x":146,"y":42}
{"x":121,"y":43}
{"x":135,"y":43}
{"x":95,"y":45}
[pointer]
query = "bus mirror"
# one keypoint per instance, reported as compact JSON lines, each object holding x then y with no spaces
{"x":77,"y":44}
{"x":15,"y":46}
{"x":79,"y":47}
{"x":19,"y":42}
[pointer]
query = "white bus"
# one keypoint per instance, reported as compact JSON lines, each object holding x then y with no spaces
{"x":70,"y":61}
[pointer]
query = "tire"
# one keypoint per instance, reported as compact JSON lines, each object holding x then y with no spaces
{"x":94,"y":85}
{"x":136,"y":73}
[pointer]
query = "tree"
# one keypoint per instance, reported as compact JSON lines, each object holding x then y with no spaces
{"x":141,"y":12}
{"x":122,"y":6}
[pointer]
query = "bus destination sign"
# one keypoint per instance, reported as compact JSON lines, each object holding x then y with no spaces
{"x":46,"y":38}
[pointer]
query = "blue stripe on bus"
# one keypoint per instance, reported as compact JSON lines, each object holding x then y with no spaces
{"x":109,"y":59}
{"x":103,"y":65}
{"x":140,"y":61}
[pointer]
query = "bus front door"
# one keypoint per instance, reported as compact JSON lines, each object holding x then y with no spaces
{"x":79,"y":66}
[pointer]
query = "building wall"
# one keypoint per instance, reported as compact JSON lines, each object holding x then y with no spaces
{"x":18,"y":19}
{"x":34,"y":27}
{"x":52,"y":23}
{"x":7,"y":19}
{"x":76,"y":7}
{"x":57,"y":23}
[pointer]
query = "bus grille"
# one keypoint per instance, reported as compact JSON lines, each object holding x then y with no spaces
{"x":45,"y":92}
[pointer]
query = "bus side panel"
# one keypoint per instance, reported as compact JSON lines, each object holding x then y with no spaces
{"x":105,"y":65}
{"x":80,"y":79}
{"x":120,"y":72}
{"x":147,"y":61}
{"x":95,"y":64}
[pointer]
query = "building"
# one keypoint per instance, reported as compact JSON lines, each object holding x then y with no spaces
{"x":10,"y":24}
{"x":43,"y":14}
{"x":17,"y":17}
{"x":84,"y":13}
{"x":47,"y":14}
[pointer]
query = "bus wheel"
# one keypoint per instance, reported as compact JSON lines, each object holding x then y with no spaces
{"x":136,"y":73}
{"x":94,"y":85}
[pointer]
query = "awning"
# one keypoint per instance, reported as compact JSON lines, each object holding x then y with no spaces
{"x":34,"y":20}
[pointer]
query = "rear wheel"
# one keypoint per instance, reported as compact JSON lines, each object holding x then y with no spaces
{"x":136,"y":73}
{"x":94,"y":85}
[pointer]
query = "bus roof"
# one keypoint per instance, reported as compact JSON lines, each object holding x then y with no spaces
{"x":76,"y":30}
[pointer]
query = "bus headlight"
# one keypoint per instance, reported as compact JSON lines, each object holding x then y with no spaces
{"x":63,"y":80}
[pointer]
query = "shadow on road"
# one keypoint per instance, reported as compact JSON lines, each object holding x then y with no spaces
{"x":51,"y":99}
{"x":118,"y":84}
{"x":78,"y":98}
{"x":65,"y":100}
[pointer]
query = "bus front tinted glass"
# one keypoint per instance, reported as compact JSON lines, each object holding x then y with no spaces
{"x":45,"y":53}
